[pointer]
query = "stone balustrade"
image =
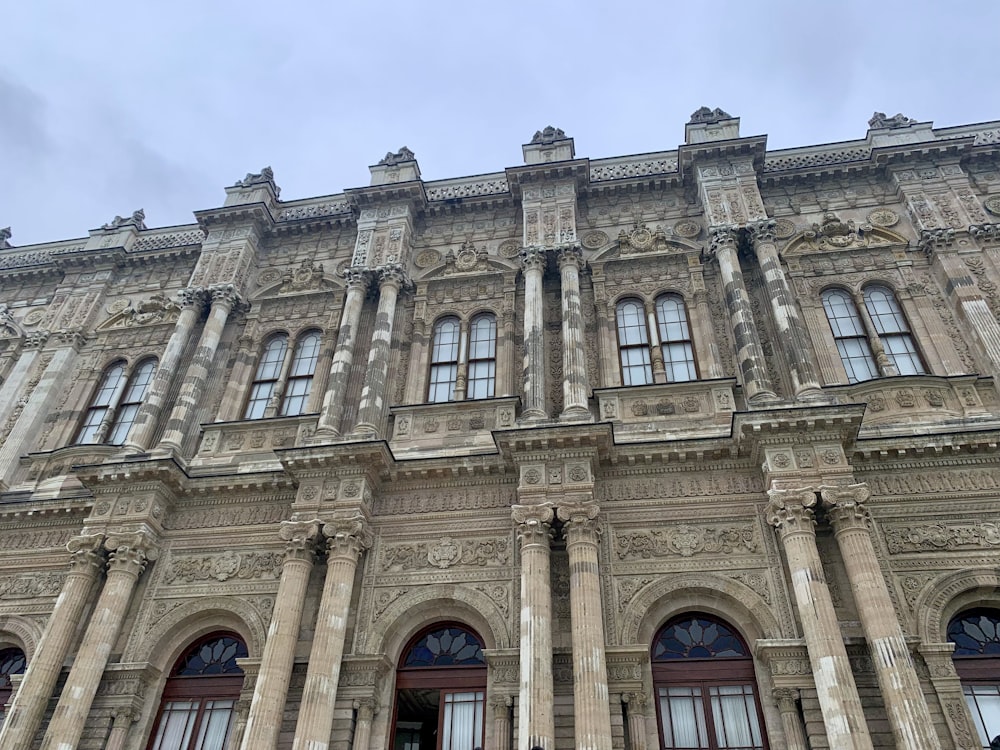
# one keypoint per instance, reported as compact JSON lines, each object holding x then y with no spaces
{"x":444,"y":427}
{"x":700,"y":408}
{"x":238,"y":442}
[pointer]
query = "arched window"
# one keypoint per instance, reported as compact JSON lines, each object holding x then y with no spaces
{"x":196,"y":711}
{"x":482,"y":357}
{"x":849,"y":334}
{"x":441,"y":690}
{"x":115,"y":403}
{"x":265,"y":380}
{"x":633,"y":343}
{"x":444,"y":361}
{"x":706,"y":691}
{"x":300,"y":375}
{"x":12,"y":662}
{"x":675,"y":339}
{"x":893,"y":330}
{"x":976,"y":635}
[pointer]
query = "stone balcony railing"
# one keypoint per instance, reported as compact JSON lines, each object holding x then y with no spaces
{"x":451,"y":426}
{"x":249,"y":444}
{"x":51,"y":472}
{"x":700,"y":408}
{"x":896,"y":406}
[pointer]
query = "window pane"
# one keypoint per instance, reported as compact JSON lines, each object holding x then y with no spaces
{"x":462,"y":727}
{"x":176,"y":723}
{"x":903,"y":353}
{"x":442,"y":386}
{"x":101,"y":404}
{"x":631,"y":324}
{"x":842,"y":314}
{"x":131,"y":400}
{"x":734,"y":713}
{"x":885,"y":311}
{"x":216,"y":722}
{"x":984,"y":705}
{"x":483,"y":337}
{"x":672,"y":318}
{"x":482,"y":379}
{"x":683,"y":718}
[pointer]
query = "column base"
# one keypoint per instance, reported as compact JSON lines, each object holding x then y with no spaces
{"x":532,"y":416}
{"x":765,"y":399}
{"x":576,"y":414}
{"x":815,"y":395}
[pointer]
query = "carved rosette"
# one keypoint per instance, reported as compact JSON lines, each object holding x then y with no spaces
{"x":534,"y":523}
{"x":846,"y":506}
{"x":347,"y":536}
{"x":300,"y":539}
{"x":791,"y":511}
{"x":581,"y":524}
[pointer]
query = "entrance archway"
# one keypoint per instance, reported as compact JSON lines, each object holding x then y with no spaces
{"x":440,"y":691}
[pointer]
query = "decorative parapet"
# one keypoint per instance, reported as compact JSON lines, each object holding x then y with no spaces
{"x":158,"y":241}
{"x":701,"y":408}
{"x":897,"y":406}
{"x":625,"y":167}
{"x":811,"y":157}
{"x":250,"y":443}
{"x":50,"y":470}
{"x":464,"y":425}
{"x":314,"y":210}
{"x":467,"y":187}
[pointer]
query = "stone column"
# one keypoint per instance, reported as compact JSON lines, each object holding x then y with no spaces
{"x":897,"y":678}
{"x":885,"y":365}
{"x":366,"y":708}
{"x":637,"y":706}
{"x":533,"y":261}
{"x":268,"y":704}
{"x":343,"y":355}
{"x":371,"y":410}
{"x":576,"y":386}
{"x":791,"y":722}
{"x":791,"y":513}
{"x":122,"y":719}
{"x":536,"y":725}
{"x":749,"y":355}
{"x":32,"y":698}
{"x":148,"y":416}
{"x":224,"y":298}
{"x":347,"y":537}
{"x":501,"y":721}
{"x":126,"y":562}
{"x":791,"y":331}
{"x":591,"y":710}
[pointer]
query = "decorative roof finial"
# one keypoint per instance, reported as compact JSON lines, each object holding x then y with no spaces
{"x":263,"y":177}
{"x":549,"y":135}
{"x":4,"y":237}
{"x":879,"y":120}
{"x":137,"y":220}
{"x":392,"y":159}
{"x":704,"y":114}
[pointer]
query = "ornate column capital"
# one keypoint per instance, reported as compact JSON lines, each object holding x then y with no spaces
{"x":392,"y":274}
{"x":570,"y":255}
{"x":366,"y":707}
{"x":986,"y":232}
{"x":347,"y":535}
{"x":846,"y":505}
{"x":130,"y":552}
{"x":761,"y":232}
{"x":224,"y":295}
{"x":533,"y":257}
{"x":931,"y":240}
{"x":72,"y":337}
{"x":786,"y":698}
{"x":534,"y":523}
{"x":87,"y":554}
{"x":580,"y":519}
{"x":791,"y":510}
{"x":722,"y":239}
{"x":358,"y":277}
{"x":501,"y":705}
{"x":192,"y":296}
{"x":637,"y":703}
{"x":300,"y":538}
{"x":35,"y":339}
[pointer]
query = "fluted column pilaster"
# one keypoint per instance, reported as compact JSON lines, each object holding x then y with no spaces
{"x":791,"y":722}
{"x":268,"y":703}
{"x":905,"y":705}
{"x":224,"y":297}
{"x":591,"y":710}
{"x":576,"y":386}
{"x":128,"y":556}
{"x":373,"y":393}
{"x":343,"y":356}
{"x":536,"y":724}
{"x":533,"y":263}
{"x":791,"y":330}
{"x":749,"y":355}
{"x":122,"y":719}
{"x":501,"y":705}
{"x":366,"y":708}
{"x":791,"y":513}
{"x":28,"y":708}
{"x":346,"y":538}
{"x":637,"y":705}
{"x":148,"y":416}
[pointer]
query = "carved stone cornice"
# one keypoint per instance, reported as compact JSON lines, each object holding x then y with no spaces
{"x":534,"y":523}
{"x":791,"y":510}
{"x":846,"y":506}
{"x":300,"y":539}
{"x":347,"y":535}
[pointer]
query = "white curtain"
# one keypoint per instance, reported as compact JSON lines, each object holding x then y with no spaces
{"x":734,"y":713}
{"x":215,"y":723}
{"x":683,"y":718}
{"x":176,"y":723}
{"x":463,"y":721}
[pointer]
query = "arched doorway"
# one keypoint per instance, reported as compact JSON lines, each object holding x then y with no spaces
{"x":976,"y":635}
{"x":199,"y":698}
{"x":705,"y":687}
{"x":12,"y":661}
{"x":440,"y":691}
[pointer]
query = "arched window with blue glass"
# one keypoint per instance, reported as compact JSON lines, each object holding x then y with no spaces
{"x":441,"y":690}
{"x":705,"y":687}
{"x":976,"y":635}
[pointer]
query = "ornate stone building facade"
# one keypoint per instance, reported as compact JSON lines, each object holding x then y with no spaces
{"x":695,"y":448}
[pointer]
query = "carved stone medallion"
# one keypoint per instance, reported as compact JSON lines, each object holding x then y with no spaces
{"x":34,"y":317}
{"x":993,"y":205}
{"x":883,"y":217}
{"x":427,"y":258}
{"x":268,"y":276}
{"x":595,"y":240}
{"x":783,"y":229}
{"x":687,"y":229}
{"x":118,"y":305}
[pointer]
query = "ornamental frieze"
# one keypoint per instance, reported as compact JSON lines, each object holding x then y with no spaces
{"x":460,"y":499}
{"x":939,"y":536}
{"x":223,"y":566}
{"x":245,"y":515}
{"x":683,"y":485}
{"x":686,"y":541}
{"x":28,"y":586}
{"x":919,"y":483}
{"x":445,"y":553}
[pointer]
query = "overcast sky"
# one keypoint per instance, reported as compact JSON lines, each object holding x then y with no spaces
{"x":106,"y":107}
